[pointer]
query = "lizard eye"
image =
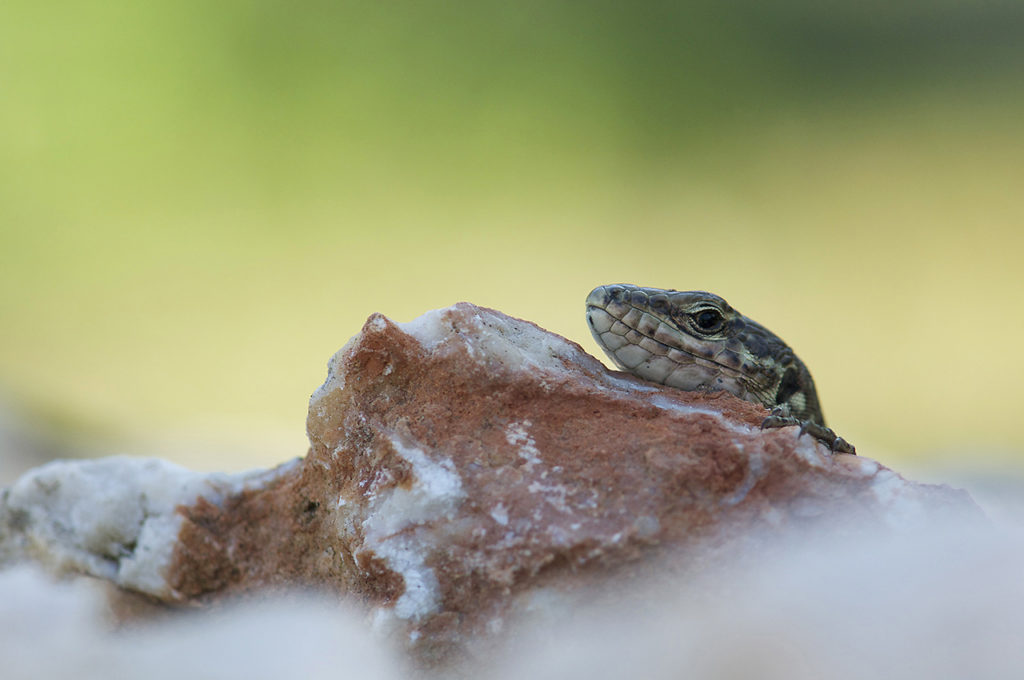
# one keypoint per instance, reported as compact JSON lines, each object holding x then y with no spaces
{"x":708,"y":320}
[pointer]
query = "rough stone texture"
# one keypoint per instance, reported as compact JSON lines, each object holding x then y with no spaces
{"x":116,"y":518}
{"x":466,"y":467}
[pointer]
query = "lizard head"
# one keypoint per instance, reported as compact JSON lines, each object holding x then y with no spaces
{"x":694,"y":340}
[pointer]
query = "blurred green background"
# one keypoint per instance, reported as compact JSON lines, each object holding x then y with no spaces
{"x":200,"y":202}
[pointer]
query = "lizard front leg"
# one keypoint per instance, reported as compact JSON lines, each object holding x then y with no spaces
{"x":780,"y":417}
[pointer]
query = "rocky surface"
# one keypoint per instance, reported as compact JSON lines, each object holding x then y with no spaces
{"x":464,"y":468}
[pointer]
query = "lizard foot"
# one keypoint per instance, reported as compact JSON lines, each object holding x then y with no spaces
{"x":780,"y":418}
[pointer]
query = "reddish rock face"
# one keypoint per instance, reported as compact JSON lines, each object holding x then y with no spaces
{"x":467,"y":463}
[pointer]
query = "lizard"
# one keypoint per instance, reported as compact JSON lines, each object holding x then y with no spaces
{"x":695,"y":341}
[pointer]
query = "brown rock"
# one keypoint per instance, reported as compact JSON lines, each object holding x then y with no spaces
{"x":468,"y":466}
{"x":465,"y":460}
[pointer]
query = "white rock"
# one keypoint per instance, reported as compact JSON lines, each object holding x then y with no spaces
{"x":113,"y":518}
{"x":60,"y":631}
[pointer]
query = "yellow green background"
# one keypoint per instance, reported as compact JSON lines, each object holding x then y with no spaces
{"x":200,"y":202}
